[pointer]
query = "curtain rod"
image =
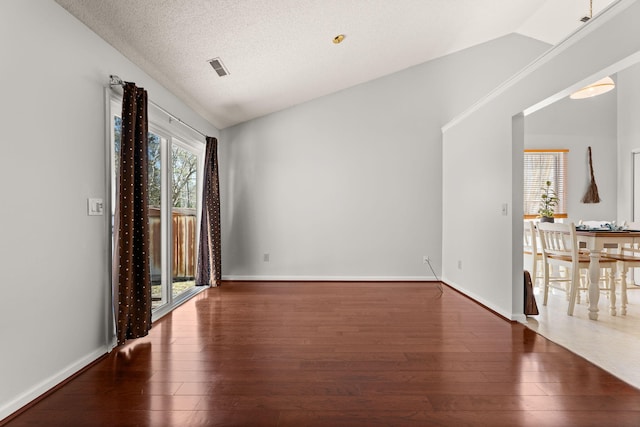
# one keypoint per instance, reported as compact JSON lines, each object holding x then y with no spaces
{"x":117,"y":81}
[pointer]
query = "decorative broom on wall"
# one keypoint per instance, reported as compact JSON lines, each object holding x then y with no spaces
{"x":591,"y":196}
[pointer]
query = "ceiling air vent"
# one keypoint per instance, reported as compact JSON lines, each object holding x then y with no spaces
{"x":218,"y":66}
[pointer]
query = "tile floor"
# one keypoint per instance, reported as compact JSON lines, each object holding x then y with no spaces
{"x":611,"y":342}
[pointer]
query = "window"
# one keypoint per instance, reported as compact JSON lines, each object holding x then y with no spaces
{"x":541,"y":166}
{"x":174,"y":173}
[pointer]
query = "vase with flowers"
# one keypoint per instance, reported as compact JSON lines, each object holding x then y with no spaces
{"x":548,"y":203}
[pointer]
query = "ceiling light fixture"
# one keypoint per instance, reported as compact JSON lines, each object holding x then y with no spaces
{"x":586,"y":18}
{"x":594,"y":89}
{"x":601,"y":86}
{"x":338,"y":39}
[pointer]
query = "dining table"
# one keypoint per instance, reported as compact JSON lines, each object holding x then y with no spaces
{"x":595,"y":241}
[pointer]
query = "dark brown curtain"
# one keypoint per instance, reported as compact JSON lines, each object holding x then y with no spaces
{"x":209,"y":253}
{"x":133,"y":309}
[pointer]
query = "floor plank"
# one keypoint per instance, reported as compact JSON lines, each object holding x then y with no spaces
{"x":338,"y":354}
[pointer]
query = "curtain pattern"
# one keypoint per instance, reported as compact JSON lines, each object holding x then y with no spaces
{"x":134,"y":282}
{"x":209,"y":270}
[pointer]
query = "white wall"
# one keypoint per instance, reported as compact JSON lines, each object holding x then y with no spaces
{"x":628,"y":137}
{"x":576,"y":125}
{"x":495,"y":277}
{"x":348,"y":186}
{"x":53,"y":257}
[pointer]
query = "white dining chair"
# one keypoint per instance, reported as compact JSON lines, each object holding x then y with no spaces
{"x":532,"y":252}
{"x":559,"y":247}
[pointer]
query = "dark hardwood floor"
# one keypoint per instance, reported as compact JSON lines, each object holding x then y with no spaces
{"x":338,"y":354}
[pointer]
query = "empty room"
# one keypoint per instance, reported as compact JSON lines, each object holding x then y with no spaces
{"x":311,"y":213}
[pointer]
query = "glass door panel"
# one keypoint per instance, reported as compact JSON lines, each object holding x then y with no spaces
{"x":158,"y":290}
{"x":184,"y":203}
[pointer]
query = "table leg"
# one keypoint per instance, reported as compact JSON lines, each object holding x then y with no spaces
{"x":623,"y":291}
{"x":594,"y":286}
{"x":612,"y":292}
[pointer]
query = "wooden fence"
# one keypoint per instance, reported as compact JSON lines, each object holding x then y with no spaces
{"x":183,"y":251}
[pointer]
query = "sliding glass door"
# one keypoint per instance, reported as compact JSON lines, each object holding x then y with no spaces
{"x":174,"y":171}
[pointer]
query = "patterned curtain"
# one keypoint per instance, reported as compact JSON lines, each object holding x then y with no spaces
{"x":209,"y":270}
{"x":132,"y":244}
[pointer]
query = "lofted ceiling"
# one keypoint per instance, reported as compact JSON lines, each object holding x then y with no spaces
{"x":280,"y":53}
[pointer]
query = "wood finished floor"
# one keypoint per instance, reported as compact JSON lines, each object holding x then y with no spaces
{"x":338,"y":354}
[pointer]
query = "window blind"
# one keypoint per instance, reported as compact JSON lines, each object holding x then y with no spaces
{"x":541,"y":166}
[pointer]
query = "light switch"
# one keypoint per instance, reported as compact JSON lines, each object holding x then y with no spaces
{"x":95,"y":207}
{"x":505,"y":209}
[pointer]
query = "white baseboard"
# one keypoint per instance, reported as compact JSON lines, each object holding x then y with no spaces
{"x":486,"y":303}
{"x":520,"y":318}
{"x":38,"y":390}
{"x":277,"y":278}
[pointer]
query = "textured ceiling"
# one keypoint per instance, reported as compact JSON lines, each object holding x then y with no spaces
{"x":280,"y":53}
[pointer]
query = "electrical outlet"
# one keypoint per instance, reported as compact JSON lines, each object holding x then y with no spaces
{"x":425,"y":259}
{"x":459,"y":264}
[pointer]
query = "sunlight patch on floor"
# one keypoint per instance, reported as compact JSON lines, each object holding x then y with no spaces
{"x":611,"y":342}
